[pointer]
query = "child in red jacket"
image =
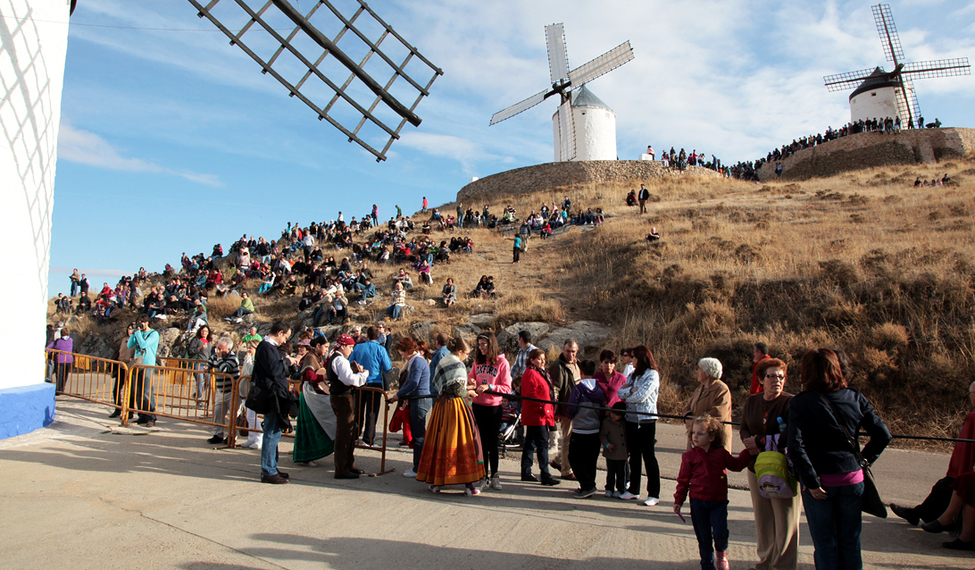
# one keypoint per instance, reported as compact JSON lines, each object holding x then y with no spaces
{"x":702,"y":470}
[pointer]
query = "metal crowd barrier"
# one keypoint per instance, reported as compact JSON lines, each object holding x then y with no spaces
{"x":180,"y":389}
{"x":176,"y":392}
{"x":98,"y":380}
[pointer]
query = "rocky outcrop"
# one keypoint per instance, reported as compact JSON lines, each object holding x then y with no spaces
{"x":553,"y":175}
{"x":868,"y":150}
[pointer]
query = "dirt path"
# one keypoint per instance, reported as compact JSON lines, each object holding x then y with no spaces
{"x":81,"y":494}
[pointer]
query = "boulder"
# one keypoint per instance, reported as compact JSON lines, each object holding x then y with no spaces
{"x":99,"y":346}
{"x":589,"y":334}
{"x":467,"y":332}
{"x":508,"y":337}
{"x":167,"y":337}
{"x":423,"y":330}
{"x":483,"y":320}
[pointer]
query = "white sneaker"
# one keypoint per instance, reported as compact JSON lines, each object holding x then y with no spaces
{"x":409,"y":473}
{"x":628,"y":496}
{"x":651,"y":501}
{"x":252,"y":445}
{"x":617,"y":494}
{"x":496,"y":483}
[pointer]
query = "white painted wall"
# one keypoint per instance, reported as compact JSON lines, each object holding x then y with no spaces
{"x":879,"y":104}
{"x":595,"y":134}
{"x":33,"y":44}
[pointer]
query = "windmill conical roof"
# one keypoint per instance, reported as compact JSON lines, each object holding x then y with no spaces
{"x":583,"y":97}
{"x":879,"y":78}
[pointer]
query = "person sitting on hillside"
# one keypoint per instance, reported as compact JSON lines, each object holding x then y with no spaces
{"x":449,"y":293}
{"x":653,"y":235}
{"x":403,"y":278}
{"x":399,"y":301}
{"x":246,"y":308}
{"x":631,"y":198}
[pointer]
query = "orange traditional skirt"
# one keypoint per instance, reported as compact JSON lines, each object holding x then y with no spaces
{"x":452,"y":448}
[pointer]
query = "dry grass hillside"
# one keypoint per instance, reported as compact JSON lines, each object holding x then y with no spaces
{"x":864,"y":261}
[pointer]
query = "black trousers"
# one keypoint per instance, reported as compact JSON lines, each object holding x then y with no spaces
{"x":488,"y":420}
{"x":583,"y":454}
{"x":936,"y":502}
{"x":640,"y":441}
{"x":345,"y":433}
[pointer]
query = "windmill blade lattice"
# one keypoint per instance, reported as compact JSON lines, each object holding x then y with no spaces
{"x":888,"y":32}
{"x":848,"y":80}
{"x":603,"y":64}
{"x":558,"y":57}
{"x":938,"y":68}
{"x":379,"y":94}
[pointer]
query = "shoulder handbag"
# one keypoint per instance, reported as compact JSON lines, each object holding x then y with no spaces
{"x":872,"y":503}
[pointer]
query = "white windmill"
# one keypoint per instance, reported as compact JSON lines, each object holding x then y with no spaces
{"x":584,"y":127}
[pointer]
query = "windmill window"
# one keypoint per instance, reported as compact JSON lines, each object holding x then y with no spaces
{"x":874,"y":94}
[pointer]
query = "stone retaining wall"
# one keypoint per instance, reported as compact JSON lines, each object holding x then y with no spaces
{"x":563,"y":174}
{"x":867,"y":150}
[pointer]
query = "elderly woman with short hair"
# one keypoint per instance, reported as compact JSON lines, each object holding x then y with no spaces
{"x":712,"y":397}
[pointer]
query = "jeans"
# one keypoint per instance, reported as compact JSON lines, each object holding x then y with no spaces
{"x":393,"y":311}
{"x":710,"y":519}
{"x":145,"y":390}
{"x":536,"y":440}
{"x":835,"y":524}
{"x":640,"y":440}
{"x":269,"y":444}
{"x":418,"y":425}
{"x":221,"y":405}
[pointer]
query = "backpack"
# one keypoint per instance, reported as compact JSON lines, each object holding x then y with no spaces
{"x":775,"y":481}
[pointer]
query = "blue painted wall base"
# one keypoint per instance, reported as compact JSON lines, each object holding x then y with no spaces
{"x":25,"y":409}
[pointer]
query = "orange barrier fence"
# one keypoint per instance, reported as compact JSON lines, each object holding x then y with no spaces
{"x":90,"y":378}
{"x":179,"y":393}
{"x":182,"y":390}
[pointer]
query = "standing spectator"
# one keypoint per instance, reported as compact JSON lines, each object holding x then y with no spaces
{"x":612,"y":440}
{"x":416,"y":386}
{"x":125,"y":357}
{"x":224,"y":362}
{"x":537,"y":417}
{"x":516,"y":252}
{"x":373,"y":357}
{"x":84,"y":285}
{"x":425,"y":205}
{"x":75,"y":280}
{"x":608,"y":378}
{"x":565,"y":375}
{"x":585,"y":429}
{"x":763,"y":428}
{"x":759,"y":353}
{"x":490,"y":373}
{"x":441,"y":341}
{"x":712,"y":397}
{"x":145,"y":341}
{"x":824,"y":460}
{"x":270,"y":372}
{"x":62,"y":360}
{"x":343,"y":376}
{"x":643,"y":196}
{"x":525,"y":347}
{"x":451,"y":451}
{"x":640,"y":393}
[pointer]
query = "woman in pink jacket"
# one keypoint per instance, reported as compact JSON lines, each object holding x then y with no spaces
{"x":489,"y":373}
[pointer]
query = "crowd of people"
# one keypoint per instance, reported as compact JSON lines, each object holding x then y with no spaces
{"x":459,"y":400}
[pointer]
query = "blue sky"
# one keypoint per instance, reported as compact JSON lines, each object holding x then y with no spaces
{"x":172,"y":140}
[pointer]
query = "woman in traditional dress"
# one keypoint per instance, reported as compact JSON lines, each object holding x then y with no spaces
{"x":315,"y":432}
{"x":452,"y":453}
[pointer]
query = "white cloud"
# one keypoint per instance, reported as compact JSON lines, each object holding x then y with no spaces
{"x":83,"y":147}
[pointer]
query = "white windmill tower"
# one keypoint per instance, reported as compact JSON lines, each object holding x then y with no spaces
{"x":879,"y":94}
{"x":584,"y":127}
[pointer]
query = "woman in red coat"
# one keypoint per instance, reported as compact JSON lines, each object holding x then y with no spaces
{"x":537,"y":417}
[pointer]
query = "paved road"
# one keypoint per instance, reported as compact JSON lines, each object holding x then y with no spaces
{"x":84,"y":493}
